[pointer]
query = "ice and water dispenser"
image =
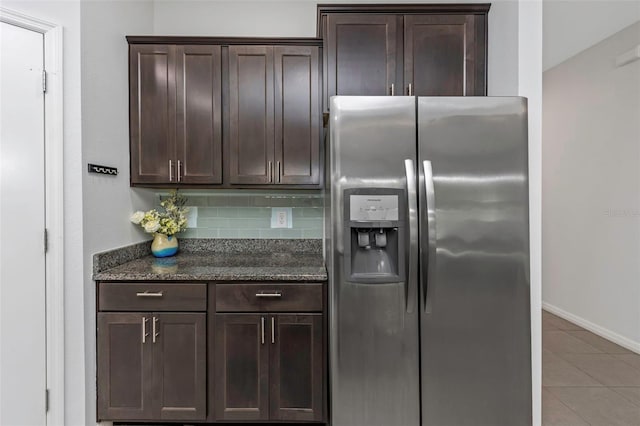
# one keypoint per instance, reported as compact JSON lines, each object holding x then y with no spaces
{"x":374,"y":235}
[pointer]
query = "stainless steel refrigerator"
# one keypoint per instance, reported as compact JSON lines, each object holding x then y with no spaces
{"x":428,"y":256}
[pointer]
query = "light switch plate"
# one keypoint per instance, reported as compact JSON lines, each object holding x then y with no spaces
{"x":281,"y":217}
{"x":192,"y":217}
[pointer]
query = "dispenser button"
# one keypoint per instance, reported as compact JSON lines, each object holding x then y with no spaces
{"x":363,"y":239}
{"x":381,"y":239}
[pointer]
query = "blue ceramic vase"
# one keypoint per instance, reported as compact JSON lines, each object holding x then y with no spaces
{"x":164,"y":245}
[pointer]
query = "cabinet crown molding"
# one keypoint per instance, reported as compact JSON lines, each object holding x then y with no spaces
{"x":224,"y":41}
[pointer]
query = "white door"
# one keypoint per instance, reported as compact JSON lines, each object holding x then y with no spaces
{"x":22,"y":222}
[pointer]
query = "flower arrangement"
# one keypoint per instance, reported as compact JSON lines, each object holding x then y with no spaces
{"x":169,"y":222}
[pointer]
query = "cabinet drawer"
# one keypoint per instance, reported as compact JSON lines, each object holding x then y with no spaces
{"x":269,"y":297}
{"x":152,"y":297}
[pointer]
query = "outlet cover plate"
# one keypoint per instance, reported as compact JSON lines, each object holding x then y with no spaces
{"x":281,"y":217}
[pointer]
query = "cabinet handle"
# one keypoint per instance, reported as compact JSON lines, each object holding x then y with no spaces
{"x":279,"y":172}
{"x":149,"y":294}
{"x":274,"y":294}
{"x":170,"y":171}
{"x":273,"y":330}
{"x":144,"y":329}
{"x":179,"y":174}
{"x":409,"y":90}
{"x":154,"y":335}
{"x":393,"y":89}
{"x":270,"y":167}
{"x":262,"y":329}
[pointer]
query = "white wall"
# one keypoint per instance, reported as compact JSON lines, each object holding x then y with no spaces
{"x":530,"y":86}
{"x":108,"y":200}
{"x":67,"y":14}
{"x":571,"y":26}
{"x":591,"y":189}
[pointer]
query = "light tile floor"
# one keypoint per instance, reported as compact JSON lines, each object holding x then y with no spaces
{"x":586,"y":380}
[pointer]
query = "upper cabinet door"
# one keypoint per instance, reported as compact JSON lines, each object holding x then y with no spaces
{"x":443,"y":56}
{"x":297,"y":115}
{"x":361,"y":54}
{"x":199,"y":117}
{"x":152,"y":113}
{"x":251,"y":115}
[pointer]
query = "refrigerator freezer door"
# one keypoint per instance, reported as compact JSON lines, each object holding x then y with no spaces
{"x":373,"y":327}
{"x":475,"y":330}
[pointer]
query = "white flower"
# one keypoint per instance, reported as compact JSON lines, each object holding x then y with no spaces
{"x":152,"y":226}
{"x":137,"y":217}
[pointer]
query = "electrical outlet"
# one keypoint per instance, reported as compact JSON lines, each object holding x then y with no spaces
{"x":281,"y":217}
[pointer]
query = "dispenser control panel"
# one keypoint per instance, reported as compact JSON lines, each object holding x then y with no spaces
{"x":373,"y":207}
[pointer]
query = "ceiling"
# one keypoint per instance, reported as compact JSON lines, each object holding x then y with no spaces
{"x":571,"y":26}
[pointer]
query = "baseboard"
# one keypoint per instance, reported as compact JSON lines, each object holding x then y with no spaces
{"x":594,"y":328}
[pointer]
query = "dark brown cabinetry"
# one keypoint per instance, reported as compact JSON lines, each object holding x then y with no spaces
{"x":151,"y":365}
{"x":274,"y":115}
{"x":175,"y":114}
{"x":225,"y":112}
{"x":270,"y":364}
{"x":423,"y":50}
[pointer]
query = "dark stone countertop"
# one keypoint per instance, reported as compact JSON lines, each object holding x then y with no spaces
{"x":285,"y":265}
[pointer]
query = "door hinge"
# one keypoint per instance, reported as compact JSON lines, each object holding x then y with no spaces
{"x":46,"y":240}
{"x":46,"y":400}
{"x":44,"y":81}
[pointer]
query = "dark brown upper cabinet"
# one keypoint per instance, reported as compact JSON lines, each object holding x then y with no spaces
{"x":419,"y":50}
{"x":175,"y":114}
{"x":274,"y":115}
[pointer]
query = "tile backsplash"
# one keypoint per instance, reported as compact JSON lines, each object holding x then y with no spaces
{"x":243,"y":214}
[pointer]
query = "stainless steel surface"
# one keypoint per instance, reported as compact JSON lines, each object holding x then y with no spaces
{"x":393,"y":91}
{"x":475,"y":341}
{"x":149,"y":294}
{"x":170,"y":171}
{"x":429,"y":246}
{"x":154,"y":334}
{"x":373,"y":340}
{"x":262,"y":330}
{"x":179,"y":172}
{"x":412,"y":234}
{"x":273,"y":330}
{"x":274,"y":294}
{"x":144,"y":329}
{"x":279,"y":172}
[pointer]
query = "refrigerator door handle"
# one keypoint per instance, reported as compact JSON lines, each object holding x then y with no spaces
{"x":411,"y":268}
{"x":430,"y":211}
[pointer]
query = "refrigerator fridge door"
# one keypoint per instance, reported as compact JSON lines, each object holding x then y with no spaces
{"x":474,"y":280}
{"x":374,"y":352}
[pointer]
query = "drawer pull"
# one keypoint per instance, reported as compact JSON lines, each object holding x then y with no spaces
{"x":274,"y":294}
{"x":149,"y":294}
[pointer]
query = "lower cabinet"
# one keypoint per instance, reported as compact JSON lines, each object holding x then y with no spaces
{"x":269,"y":367}
{"x":151,"y":366}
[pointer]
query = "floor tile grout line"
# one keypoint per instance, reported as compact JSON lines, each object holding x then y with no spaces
{"x":613,"y":389}
{"x":628,"y":363}
{"x":569,"y":408}
{"x":613,"y":343}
